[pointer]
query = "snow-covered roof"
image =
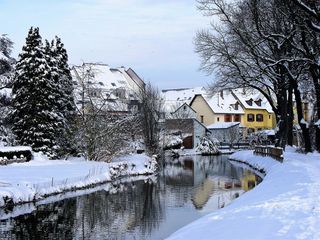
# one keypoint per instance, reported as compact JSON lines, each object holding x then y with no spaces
{"x":224,"y":103}
{"x":174,"y":98}
{"x":184,"y":104}
{"x":102,"y":76}
{"x":223,"y":125}
{"x":250,"y":99}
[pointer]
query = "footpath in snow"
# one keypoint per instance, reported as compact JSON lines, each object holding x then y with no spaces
{"x":39,"y":178}
{"x":286,"y":205}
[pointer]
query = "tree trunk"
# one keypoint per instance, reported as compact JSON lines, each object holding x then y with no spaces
{"x":290,"y":117}
{"x":281,"y":135}
{"x":316,"y":81}
{"x":302,"y":122}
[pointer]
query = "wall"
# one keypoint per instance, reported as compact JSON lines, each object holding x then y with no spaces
{"x":267,"y":123}
{"x":200,"y":105}
{"x":184,"y":112}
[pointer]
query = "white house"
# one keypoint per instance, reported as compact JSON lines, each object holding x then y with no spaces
{"x":113,"y":89}
{"x":184,"y":112}
{"x":226,"y":132}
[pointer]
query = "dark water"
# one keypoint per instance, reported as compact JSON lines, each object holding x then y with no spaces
{"x":147,"y":209}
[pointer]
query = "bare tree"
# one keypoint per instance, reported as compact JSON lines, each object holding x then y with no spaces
{"x":254,"y":48}
{"x":151,"y":108}
{"x":103,"y":127}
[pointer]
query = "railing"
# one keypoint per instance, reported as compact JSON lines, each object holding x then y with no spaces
{"x":274,"y":152}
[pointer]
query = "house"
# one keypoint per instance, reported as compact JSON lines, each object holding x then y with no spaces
{"x":115,"y":90}
{"x":189,"y":130}
{"x":226,"y":132}
{"x":173,"y":99}
{"x":258,"y":114}
{"x":185,"y":111}
{"x":250,"y":108}
{"x":218,"y":107}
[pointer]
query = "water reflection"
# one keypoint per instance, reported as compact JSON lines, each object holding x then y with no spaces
{"x":184,"y":191}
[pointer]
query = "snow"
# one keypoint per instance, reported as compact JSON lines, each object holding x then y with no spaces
{"x":6,"y":92}
{"x":302,"y":121}
{"x":270,"y":132}
{"x":34,"y":180}
{"x":174,"y":98}
{"x":286,"y":205}
{"x":222,"y":125}
{"x":243,"y":96}
{"x":223,"y":104}
{"x":15,"y":149}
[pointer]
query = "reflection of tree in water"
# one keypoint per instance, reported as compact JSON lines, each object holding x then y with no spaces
{"x":52,"y":221}
{"x":136,"y":210}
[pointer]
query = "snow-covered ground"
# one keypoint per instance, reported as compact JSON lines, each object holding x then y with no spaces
{"x":25,"y":182}
{"x":286,"y":205}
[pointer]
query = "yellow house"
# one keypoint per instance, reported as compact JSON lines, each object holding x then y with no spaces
{"x":258,"y":114}
{"x":219,"y":107}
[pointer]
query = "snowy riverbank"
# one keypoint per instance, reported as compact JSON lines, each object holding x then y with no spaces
{"x":286,"y":205}
{"x":39,"y":178}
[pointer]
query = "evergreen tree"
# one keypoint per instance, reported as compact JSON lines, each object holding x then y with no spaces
{"x":35,"y":115}
{"x":65,"y":103}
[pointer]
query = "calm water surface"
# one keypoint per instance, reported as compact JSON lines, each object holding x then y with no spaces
{"x":184,"y":191}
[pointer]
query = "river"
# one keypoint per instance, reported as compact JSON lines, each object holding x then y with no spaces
{"x":184,"y":190}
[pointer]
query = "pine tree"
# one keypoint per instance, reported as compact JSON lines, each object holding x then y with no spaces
{"x":66,"y":103}
{"x":35,"y":115}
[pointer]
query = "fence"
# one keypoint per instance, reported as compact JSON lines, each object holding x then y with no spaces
{"x":274,"y":152}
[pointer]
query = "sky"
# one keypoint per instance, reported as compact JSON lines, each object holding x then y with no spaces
{"x":153,"y":37}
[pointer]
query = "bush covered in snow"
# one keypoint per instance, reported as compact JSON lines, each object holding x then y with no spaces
{"x":207,"y":147}
{"x":172,"y":142}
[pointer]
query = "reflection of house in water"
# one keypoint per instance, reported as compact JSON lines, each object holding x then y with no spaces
{"x":192,"y":171}
{"x":249,"y":180}
{"x":208,"y":178}
{"x":203,"y":193}
{"x":218,"y":187}
{"x":181,"y":173}
{"x":218,"y":199}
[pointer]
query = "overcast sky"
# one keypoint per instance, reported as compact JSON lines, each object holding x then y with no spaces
{"x":154,"y":37}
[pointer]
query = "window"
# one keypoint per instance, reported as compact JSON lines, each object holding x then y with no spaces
{"x":258,"y":102}
{"x":201,"y":118}
{"x":250,"y":118}
{"x":259,"y":118}
{"x":228,"y":118}
{"x":185,"y":107}
{"x":249,"y":102}
{"x":218,"y":119}
{"x":269,"y":116}
{"x":237,"y":118}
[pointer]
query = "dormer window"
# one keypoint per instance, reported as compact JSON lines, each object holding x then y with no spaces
{"x":236,"y":106}
{"x":258,"y":102}
{"x":249,"y":102}
{"x":221,"y":94}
